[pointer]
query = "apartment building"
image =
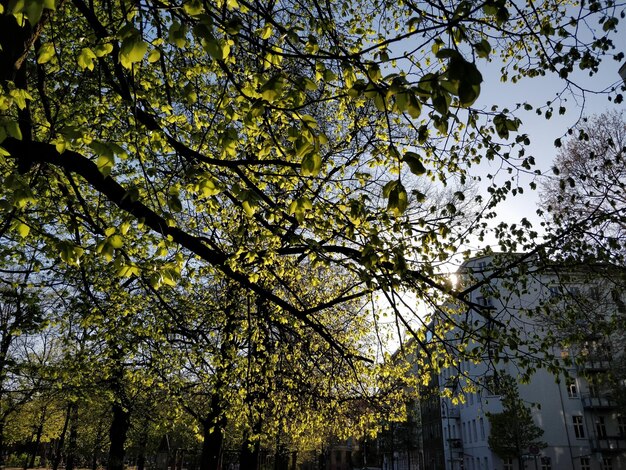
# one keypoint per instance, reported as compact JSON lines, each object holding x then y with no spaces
{"x":582,"y":424}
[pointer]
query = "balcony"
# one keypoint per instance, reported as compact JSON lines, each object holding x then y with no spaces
{"x":596,"y":364}
{"x":456,"y":445}
{"x":598,"y":403}
{"x":608,"y":444}
{"x":452,"y":413}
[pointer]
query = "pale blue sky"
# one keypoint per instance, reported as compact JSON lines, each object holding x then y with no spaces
{"x":542,"y":132}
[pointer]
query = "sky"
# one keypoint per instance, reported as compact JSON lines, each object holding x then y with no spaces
{"x":542,"y":132}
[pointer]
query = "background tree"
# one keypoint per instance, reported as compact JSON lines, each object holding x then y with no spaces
{"x":585,"y":198}
{"x":513,"y":430}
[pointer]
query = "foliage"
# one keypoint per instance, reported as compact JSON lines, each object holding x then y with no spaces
{"x":585,"y":198}
{"x":513,"y":430}
{"x":214,"y":192}
{"x":254,"y":137}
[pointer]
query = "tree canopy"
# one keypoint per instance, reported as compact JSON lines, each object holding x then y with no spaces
{"x":227,"y":184}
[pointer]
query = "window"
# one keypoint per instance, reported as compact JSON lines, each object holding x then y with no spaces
{"x":600,"y":427}
{"x":546,"y":463}
{"x":338,"y":456}
{"x":482,"y":429}
{"x":621,"y":423}
{"x":471,"y":398}
{"x":486,"y":464}
{"x":572,"y":389}
{"x":474,"y":430}
{"x":579,"y":430}
{"x":607,"y":463}
{"x":464,"y":432}
{"x":508,"y":463}
{"x":585,"y":464}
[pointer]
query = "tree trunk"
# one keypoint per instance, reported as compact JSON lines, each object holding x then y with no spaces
{"x":37,"y":440}
{"x":72,"y":445}
{"x":2,"y":423}
{"x":56,"y":458}
{"x":117,"y":436}
{"x":143,"y":442}
{"x":213,"y":433}
{"x":249,"y":457}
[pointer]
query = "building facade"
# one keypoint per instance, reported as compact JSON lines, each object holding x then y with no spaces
{"x":582,"y":424}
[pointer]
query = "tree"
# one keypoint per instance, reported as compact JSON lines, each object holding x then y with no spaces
{"x":585,"y":198}
{"x":513,"y":431}
{"x":157,"y":144}
{"x":585,"y":205}
{"x":299,"y":122}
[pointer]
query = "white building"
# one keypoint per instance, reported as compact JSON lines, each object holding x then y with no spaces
{"x":582,"y":426}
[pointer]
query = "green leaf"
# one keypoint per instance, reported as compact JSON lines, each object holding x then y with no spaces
{"x":154,"y":55}
{"x":116,"y":241}
{"x":23,"y":230}
{"x":33,"y":10}
{"x":374,"y":73}
{"x":128,"y":270}
{"x":414,"y":107}
{"x":398,"y":199}
{"x":133,"y":50}
{"x":249,"y":207}
{"x":483,"y":49}
{"x":208,"y":186}
{"x":266,"y":31}
{"x":272,"y":89}
{"x":193,"y":8}
{"x":20,"y":96}
{"x":12,"y":128}
{"x":177,"y":34}
{"x":447,"y":53}
{"x":46,"y":53}
{"x":85,"y":59}
{"x":105,"y":163}
{"x":217,"y":49}
{"x":415,"y":163}
{"x":174,"y":203}
{"x":441,"y":102}
{"x":468,"y":93}
{"x":503,"y":125}
{"x":105,"y":249}
{"x":103,"y":49}
{"x":311,"y":164}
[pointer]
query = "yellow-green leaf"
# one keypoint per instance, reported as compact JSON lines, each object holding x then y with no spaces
{"x":133,"y":50}
{"x":154,"y":55}
{"x":23,"y":230}
{"x":103,"y":49}
{"x":105,"y":163}
{"x":85,"y":59}
{"x":116,"y":241}
{"x":46,"y":53}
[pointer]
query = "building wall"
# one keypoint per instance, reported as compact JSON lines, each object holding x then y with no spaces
{"x":582,"y":427}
